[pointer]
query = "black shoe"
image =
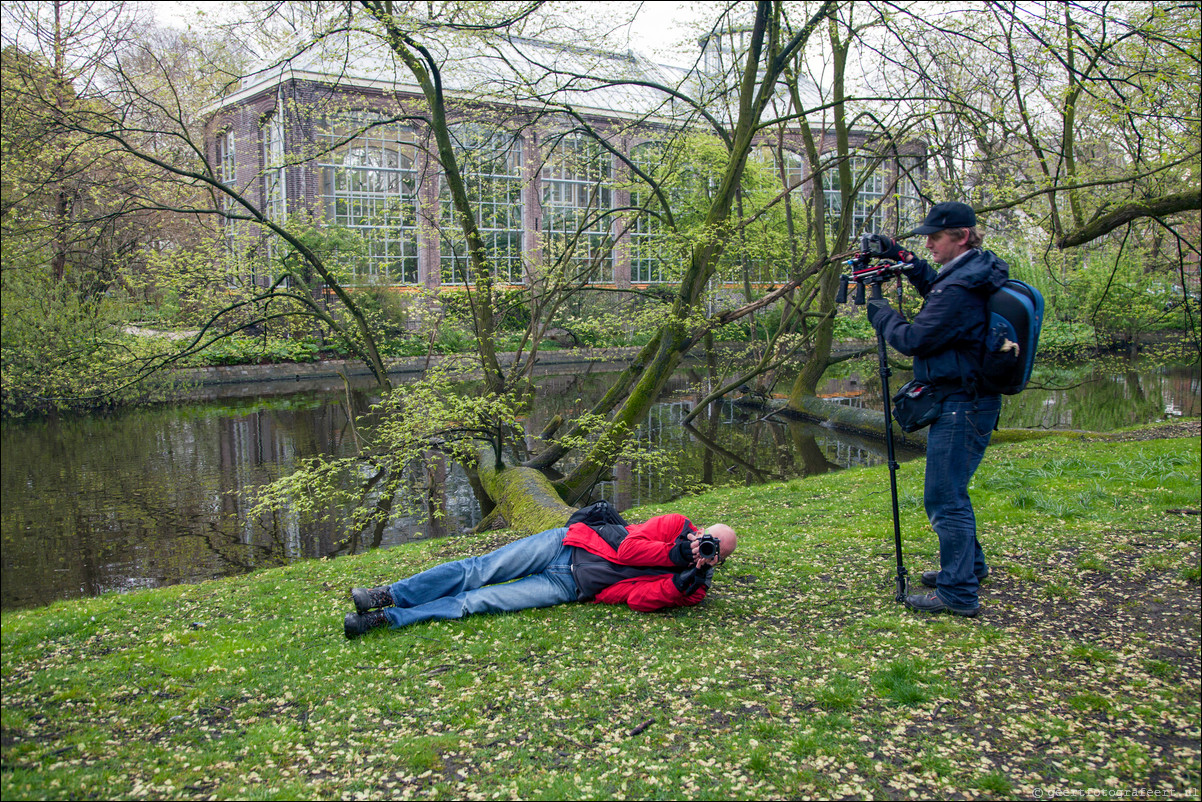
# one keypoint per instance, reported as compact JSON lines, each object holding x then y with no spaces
{"x":355,"y":624}
{"x":369,"y":598}
{"x":929,"y":577}
{"x":931,"y":603}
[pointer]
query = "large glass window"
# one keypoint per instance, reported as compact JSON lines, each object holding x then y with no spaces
{"x":226,"y":158}
{"x":227,"y":174}
{"x":909,"y":202}
{"x":650,"y":252}
{"x":869,"y":181}
{"x":724,"y":51}
{"x":577,"y":198}
{"x":369,"y":185}
{"x":791,"y":173}
{"x":491,"y":164}
{"x":274,"y":189}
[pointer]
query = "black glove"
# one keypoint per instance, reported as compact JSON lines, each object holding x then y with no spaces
{"x":690,"y":580}
{"x":882,"y":246}
{"x":879,"y":311}
{"x":682,"y":551}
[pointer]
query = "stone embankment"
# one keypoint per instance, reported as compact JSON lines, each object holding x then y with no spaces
{"x":226,"y":381}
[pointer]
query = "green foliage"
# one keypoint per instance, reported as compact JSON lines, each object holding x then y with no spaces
{"x":387,"y":307}
{"x":184,"y":287}
{"x":396,"y":442}
{"x":598,"y":323}
{"x":853,"y":326}
{"x":512,"y":303}
{"x":453,"y":338}
{"x":1122,"y":299}
{"x":1067,"y":337}
{"x":239,"y":350}
{"x":66,"y":242}
{"x":63,"y":350}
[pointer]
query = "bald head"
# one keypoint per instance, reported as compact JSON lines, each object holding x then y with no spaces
{"x":726,"y":539}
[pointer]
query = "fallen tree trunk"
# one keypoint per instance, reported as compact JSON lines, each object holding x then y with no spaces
{"x":871,"y":422}
{"x":524,"y":497}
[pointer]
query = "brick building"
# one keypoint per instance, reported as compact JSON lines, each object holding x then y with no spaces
{"x":340,"y":141}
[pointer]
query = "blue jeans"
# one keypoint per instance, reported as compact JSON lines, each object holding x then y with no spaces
{"x":541,"y":565}
{"x":955,"y":445}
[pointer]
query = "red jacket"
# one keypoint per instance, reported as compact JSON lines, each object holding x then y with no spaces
{"x":647,"y":544}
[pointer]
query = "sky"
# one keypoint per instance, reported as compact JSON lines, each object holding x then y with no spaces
{"x":655,"y":35}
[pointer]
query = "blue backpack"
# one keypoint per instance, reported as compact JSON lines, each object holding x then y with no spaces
{"x":1015,"y":319}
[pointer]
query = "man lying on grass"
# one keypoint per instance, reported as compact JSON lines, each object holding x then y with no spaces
{"x":664,"y":562}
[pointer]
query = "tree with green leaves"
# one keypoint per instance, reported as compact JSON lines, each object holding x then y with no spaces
{"x":1078,"y":119}
{"x":697,"y":219}
{"x":70,"y":223}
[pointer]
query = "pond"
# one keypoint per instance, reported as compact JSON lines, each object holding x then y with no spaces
{"x":160,"y":496}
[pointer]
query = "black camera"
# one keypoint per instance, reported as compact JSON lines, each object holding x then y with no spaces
{"x":708,"y":546}
{"x":865,"y":274}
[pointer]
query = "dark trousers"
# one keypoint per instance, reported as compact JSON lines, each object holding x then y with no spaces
{"x":955,"y":445}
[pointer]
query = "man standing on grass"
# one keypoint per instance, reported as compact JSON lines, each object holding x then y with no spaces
{"x":946,"y":339}
{"x":664,"y":562}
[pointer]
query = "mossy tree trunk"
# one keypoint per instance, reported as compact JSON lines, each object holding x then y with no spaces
{"x":825,"y":240}
{"x":524,"y":496}
{"x":425,"y":70}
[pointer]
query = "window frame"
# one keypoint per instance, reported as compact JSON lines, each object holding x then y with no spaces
{"x":369,"y":184}
{"x":577,"y":199}
{"x":498,"y":201}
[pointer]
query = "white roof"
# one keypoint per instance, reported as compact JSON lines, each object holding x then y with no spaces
{"x":506,"y":70}
{"x":509,"y":70}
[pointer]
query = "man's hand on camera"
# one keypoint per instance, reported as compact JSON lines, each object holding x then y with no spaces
{"x":684,"y":550}
{"x":879,"y":311}
{"x":886,"y":248}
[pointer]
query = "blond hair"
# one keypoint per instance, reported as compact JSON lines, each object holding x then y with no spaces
{"x":974,"y":240}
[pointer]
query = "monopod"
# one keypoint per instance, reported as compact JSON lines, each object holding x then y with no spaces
{"x":874,"y":276}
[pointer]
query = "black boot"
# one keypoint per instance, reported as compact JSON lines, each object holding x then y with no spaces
{"x":356,"y":624}
{"x":931,"y":603}
{"x":369,"y":598}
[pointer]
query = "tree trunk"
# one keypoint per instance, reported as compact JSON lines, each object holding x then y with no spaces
{"x":525,"y":497}
{"x":755,"y":91}
{"x":806,"y":383}
{"x":870,"y":422}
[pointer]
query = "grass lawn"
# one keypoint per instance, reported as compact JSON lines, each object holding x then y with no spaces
{"x":798,"y":677}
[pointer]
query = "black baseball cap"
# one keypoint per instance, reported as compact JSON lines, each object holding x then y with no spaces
{"x":951,"y":214}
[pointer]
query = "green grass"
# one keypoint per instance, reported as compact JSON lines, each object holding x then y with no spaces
{"x":798,"y":677}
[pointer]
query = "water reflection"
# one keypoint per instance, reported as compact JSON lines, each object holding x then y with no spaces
{"x":1102,"y":402}
{"x":733,"y":444}
{"x":156,"y":497}
{"x":99,"y":504}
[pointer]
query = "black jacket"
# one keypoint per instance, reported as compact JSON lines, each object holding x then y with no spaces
{"x":947,"y":335}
